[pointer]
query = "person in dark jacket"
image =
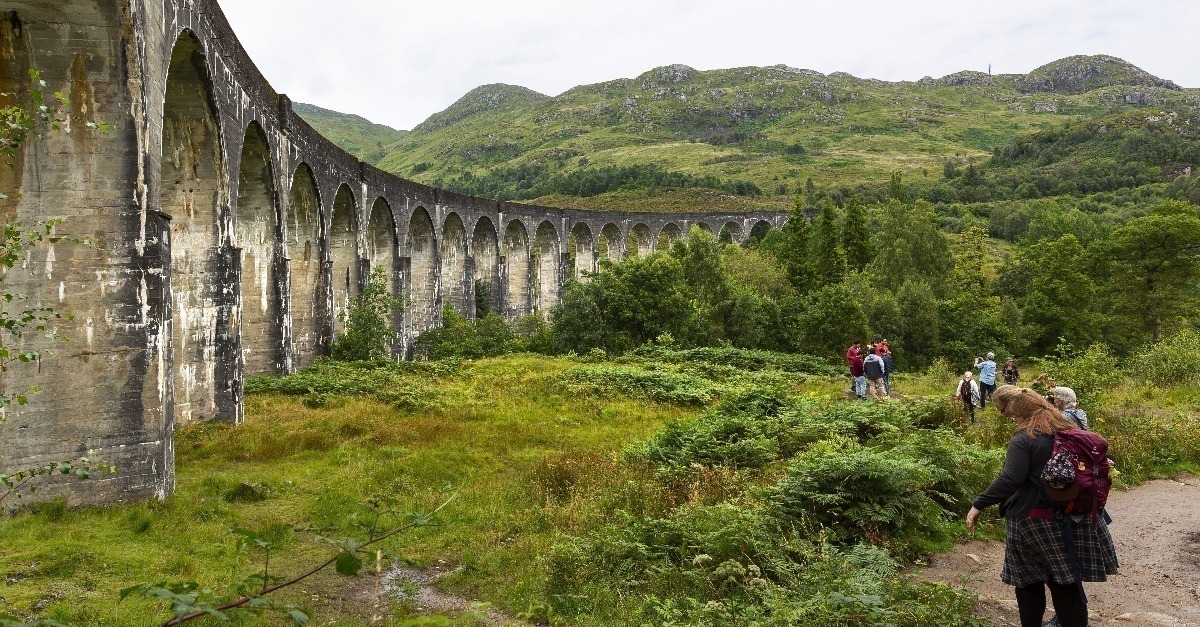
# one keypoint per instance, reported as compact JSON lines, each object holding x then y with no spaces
{"x":873,"y":369}
{"x":889,"y":365}
{"x":1036,"y":555}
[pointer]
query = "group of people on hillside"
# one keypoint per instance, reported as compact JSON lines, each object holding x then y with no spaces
{"x":976,"y":395}
{"x":871,"y":365}
{"x":1047,"y":545}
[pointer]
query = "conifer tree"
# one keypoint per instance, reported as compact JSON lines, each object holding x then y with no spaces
{"x":855,"y":241}
{"x":824,"y":251}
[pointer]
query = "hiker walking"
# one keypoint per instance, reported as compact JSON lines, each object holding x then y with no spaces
{"x":1067,"y":404}
{"x":1036,"y":550}
{"x":873,"y":368}
{"x":987,"y":377}
{"x":1012,"y":376}
{"x":968,"y":393}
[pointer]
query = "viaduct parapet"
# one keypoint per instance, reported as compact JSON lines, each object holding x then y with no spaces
{"x":227,"y":235}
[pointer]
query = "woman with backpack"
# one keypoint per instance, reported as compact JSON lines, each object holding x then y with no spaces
{"x":1036,"y":551}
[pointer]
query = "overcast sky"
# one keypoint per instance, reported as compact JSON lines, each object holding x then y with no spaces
{"x":396,"y":62}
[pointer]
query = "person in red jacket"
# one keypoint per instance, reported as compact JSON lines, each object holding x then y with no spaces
{"x":857,"y":373}
{"x":851,"y":353}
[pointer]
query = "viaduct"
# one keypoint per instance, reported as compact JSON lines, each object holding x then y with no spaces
{"x":226,"y":235}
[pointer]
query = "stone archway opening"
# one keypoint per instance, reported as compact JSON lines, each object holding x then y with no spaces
{"x":454,"y":263}
{"x":731,"y":233}
{"x":583,"y":251}
{"x":519,"y":300}
{"x":423,"y":305}
{"x":549,"y":254}
{"x":706,"y":228}
{"x":668,"y":235}
{"x":611,"y":244}
{"x":257,"y":232}
{"x":191,"y":193}
{"x":758,"y":232}
{"x":303,"y":244}
{"x":486,"y":247}
{"x":641,"y":240}
{"x":343,"y":253}
{"x":382,"y":245}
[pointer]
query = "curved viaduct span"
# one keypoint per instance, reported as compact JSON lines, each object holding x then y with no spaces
{"x":228,"y":234}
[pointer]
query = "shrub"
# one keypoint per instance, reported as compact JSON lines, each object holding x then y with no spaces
{"x":1174,"y":360}
{"x":1090,"y":372}
{"x":460,"y":338}
{"x":368,"y":323}
{"x":737,"y":358}
{"x":666,"y":387}
{"x":856,"y":492}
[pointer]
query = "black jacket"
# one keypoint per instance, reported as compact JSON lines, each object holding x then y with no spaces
{"x":889,"y":366}
{"x":1019,"y":486}
{"x":873,"y":368}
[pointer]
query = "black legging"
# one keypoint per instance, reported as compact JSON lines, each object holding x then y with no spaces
{"x":1069,"y":605}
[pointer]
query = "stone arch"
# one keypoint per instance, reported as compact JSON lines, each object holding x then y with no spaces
{"x":549,"y":255}
{"x":303,"y":222}
{"x":668,"y":234}
{"x":422,"y":247}
{"x":454,"y":263}
{"x":582,"y":249}
{"x":343,"y":252}
{"x":485,"y":246}
{"x":731,"y":233}
{"x":611,"y":243}
{"x":382,"y":247}
{"x":192,"y":191}
{"x":641,"y":239}
{"x":519,"y":299}
{"x":257,"y":231}
{"x":759,"y":231}
{"x":705,"y":227}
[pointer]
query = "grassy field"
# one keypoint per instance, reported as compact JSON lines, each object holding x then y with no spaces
{"x":532,"y":446}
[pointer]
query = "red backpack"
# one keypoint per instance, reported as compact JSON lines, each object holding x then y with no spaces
{"x":1077,"y":474}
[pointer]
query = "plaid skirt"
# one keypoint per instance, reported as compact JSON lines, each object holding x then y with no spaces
{"x":1034,"y":551}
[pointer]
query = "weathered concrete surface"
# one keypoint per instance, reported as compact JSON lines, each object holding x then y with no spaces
{"x":228,"y":236}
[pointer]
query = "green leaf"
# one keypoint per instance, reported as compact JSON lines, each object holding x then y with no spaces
{"x":348,"y":564}
{"x":300,"y":618}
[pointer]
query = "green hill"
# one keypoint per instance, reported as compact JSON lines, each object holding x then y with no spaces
{"x":760,"y":132}
{"x":354,"y":134}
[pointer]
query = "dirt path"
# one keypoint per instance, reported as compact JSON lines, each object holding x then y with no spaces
{"x":417,"y":587}
{"x":1156,"y":527}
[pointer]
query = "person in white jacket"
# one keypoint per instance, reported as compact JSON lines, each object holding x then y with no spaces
{"x":968,"y":393}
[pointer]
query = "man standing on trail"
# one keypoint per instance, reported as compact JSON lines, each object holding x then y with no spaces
{"x":857,"y":374}
{"x":873,"y":368}
{"x":987,"y":377}
{"x":888,"y":366}
{"x":968,"y":393}
{"x":1065,"y":402}
{"x":851,"y":354}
